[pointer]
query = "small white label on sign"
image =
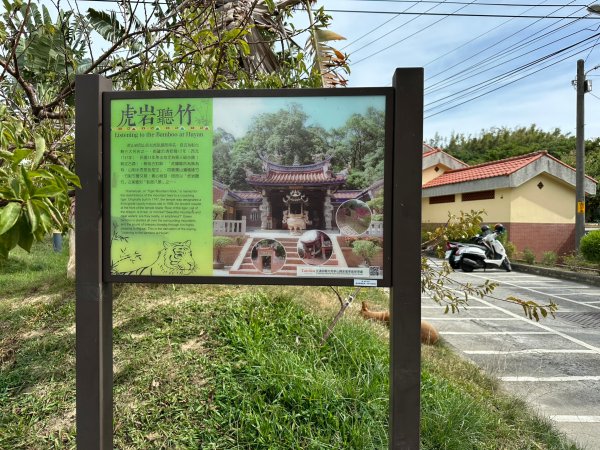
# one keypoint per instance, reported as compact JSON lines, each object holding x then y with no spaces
{"x":365,"y":283}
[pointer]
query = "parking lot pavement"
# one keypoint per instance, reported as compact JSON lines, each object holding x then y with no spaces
{"x":553,"y":364}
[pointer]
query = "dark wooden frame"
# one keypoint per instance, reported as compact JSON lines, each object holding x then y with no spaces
{"x":94,"y":378}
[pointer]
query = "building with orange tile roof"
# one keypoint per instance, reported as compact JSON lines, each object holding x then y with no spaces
{"x":532,"y":195}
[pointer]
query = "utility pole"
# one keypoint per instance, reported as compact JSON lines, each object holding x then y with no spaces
{"x":580,"y":156}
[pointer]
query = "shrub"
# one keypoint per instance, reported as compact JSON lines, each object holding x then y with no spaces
{"x":590,"y":246}
{"x":549,"y":258}
{"x":365,"y":249}
{"x":573,"y":261}
{"x":350,"y":240}
{"x":510,"y":248}
{"x":239,"y":240}
{"x":218,"y":243}
{"x":529,"y":256}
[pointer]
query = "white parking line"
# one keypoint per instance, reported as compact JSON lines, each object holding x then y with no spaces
{"x":552,"y":379}
{"x":525,"y":352}
{"x":543,"y":327}
{"x":564,"y":288}
{"x":463,"y":319}
{"x":464,"y":308}
{"x":541,"y":281}
{"x":543,"y":293}
{"x":491,"y":333}
{"x":575,"y":419}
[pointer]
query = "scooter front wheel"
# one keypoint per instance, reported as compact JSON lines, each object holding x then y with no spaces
{"x":466,"y":267}
{"x":506,"y":265}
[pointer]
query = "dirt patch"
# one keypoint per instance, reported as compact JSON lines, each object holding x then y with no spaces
{"x":18,"y":303}
{"x":34,"y":334}
{"x":195,"y":344}
{"x":8,"y":348}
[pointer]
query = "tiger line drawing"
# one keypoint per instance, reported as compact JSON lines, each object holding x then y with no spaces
{"x":175,"y":258}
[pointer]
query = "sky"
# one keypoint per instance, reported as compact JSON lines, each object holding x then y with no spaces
{"x":528,"y":63}
{"x":327,"y":112}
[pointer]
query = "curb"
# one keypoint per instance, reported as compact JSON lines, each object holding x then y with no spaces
{"x":557,"y":273}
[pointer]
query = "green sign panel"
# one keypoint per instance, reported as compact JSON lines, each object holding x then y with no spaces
{"x":264,"y":187}
{"x":161,"y":194}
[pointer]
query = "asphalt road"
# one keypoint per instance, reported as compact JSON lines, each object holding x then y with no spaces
{"x":553,"y":364}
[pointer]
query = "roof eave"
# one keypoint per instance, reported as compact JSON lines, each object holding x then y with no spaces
{"x":517,"y":178}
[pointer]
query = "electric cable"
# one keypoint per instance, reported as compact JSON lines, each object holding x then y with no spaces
{"x":509,"y":49}
{"x":553,"y":63}
{"x":407,"y":37}
{"x":481,"y":66}
{"x":395,"y":29}
{"x":376,"y":28}
{"x":588,"y":17}
{"x":492,"y":46}
{"x":472,"y":40}
{"x":464,"y":3}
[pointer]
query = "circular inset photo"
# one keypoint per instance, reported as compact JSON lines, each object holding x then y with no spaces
{"x":268,"y":256}
{"x":315,"y":247}
{"x":353,"y":217}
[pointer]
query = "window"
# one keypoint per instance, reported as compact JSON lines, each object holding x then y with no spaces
{"x":441,"y":199}
{"x":480,"y":195}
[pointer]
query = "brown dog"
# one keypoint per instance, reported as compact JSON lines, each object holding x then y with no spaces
{"x":429,"y":334}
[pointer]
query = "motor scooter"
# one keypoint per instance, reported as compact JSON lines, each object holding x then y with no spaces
{"x":489,"y":254}
{"x":452,"y":247}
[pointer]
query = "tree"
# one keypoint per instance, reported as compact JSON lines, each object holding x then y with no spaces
{"x":360,"y":147}
{"x":168,"y":45}
{"x":499,"y":143}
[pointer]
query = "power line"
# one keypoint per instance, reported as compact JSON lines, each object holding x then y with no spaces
{"x":509,"y":48}
{"x":588,"y":55}
{"x":391,"y":31}
{"x":477,"y":37}
{"x":378,"y":27}
{"x":407,"y":37}
{"x":477,"y":4}
{"x":497,"y":78}
{"x":498,"y":88}
{"x":588,"y":17}
{"x":480,"y":65}
{"x":506,"y":75}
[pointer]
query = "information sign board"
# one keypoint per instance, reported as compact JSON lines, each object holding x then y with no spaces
{"x":212,"y":186}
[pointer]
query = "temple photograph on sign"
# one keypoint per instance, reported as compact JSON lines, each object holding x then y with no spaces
{"x":305,"y":172}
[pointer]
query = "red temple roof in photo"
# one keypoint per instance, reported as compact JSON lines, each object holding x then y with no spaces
{"x":319,"y":173}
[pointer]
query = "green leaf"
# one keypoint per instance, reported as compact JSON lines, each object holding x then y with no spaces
{"x":49,"y":190}
{"x":66,"y":173}
{"x":9,"y":216}
{"x":244,"y":47}
{"x":25,"y":235}
{"x":28,"y":183}
{"x":34,"y":215}
{"x":40,"y":149}
{"x":328,"y":35}
{"x":6,"y":193}
{"x":20,"y":154}
{"x":107,"y":25}
{"x":53,"y":213}
{"x":41,"y":173}
{"x":6,"y":154}
{"x":15,"y":186}
{"x":10,"y":238}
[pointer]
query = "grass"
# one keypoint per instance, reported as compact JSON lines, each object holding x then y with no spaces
{"x":233,"y":367}
{"x":38,"y":271}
